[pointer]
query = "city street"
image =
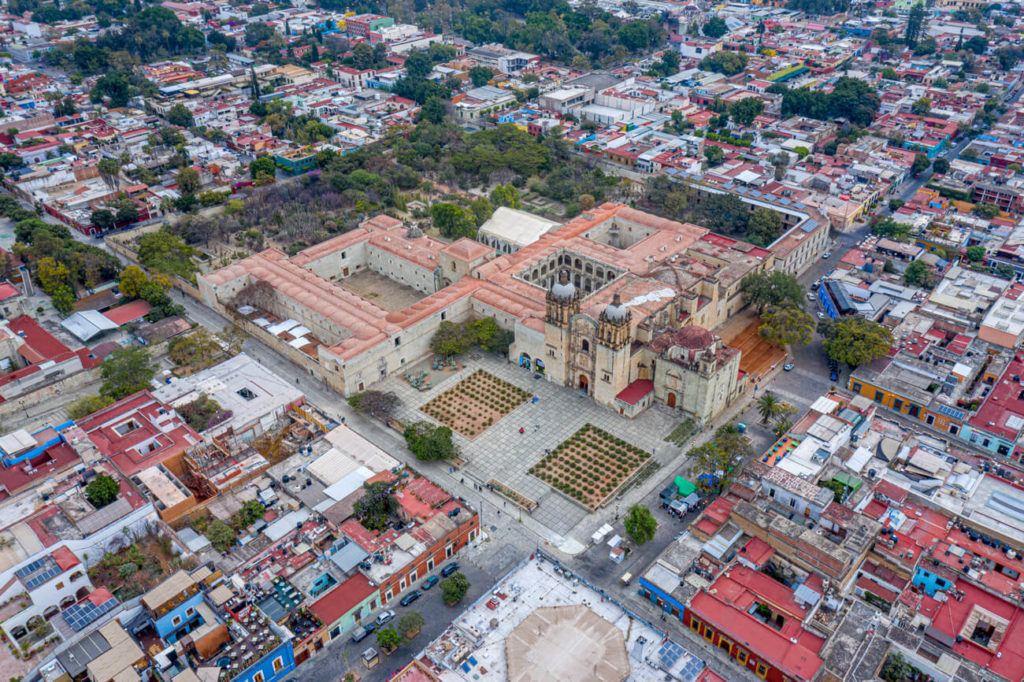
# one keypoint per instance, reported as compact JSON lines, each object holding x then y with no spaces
{"x":342,"y":654}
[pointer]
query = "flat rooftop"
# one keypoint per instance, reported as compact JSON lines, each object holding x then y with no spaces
{"x":475,"y":647}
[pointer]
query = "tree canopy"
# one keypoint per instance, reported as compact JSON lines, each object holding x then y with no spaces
{"x":429,"y":442}
{"x":774,"y":289}
{"x":102,"y":490}
{"x":640,"y":524}
{"x":855,"y":341}
{"x":125,"y":371}
{"x":787,"y":326}
{"x":852,"y":99}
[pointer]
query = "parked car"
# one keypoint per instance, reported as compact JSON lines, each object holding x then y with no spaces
{"x":359,"y":634}
{"x":788,"y":366}
{"x":410,"y":598}
{"x":385,"y":617}
{"x":821,"y":315}
{"x":827,"y":255}
{"x":430,"y":582}
{"x":449,"y":569}
{"x":833,"y":375}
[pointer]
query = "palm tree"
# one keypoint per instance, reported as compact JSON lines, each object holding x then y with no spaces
{"x":768,"y":406}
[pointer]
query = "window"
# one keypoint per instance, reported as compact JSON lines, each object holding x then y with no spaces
{"x":878,"y":396}
{"x":401,"y":584}
{"x":258,"y":677}
{"x":930,"y":419}
{"x":59,"y":586}
{"x":585,"y":346}
{"x":335,"y":632}
{"x":897,"y":405}
{"x":855,"y":386}
{"x":709,"y":634}
{"x":344,"y":255}
{"x":444,"y":315}
{"x":126,"y":428}
{"x":246,"y":394}
{"x":762,"y":670}
{"x":176,"y":621}
{"x":190,"y":612}
{"x":398,"y":342}
{"x":741,"y":656}
{"x":278,"y":664}
{"x":387,"y":596}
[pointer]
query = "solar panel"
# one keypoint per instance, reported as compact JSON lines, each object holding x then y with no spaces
{"x":33,"y":577}
{"x":81,"y":615}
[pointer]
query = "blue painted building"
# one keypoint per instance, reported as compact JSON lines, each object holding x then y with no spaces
{"x":660,"y":585}
{"x":19,"y":446}
{"x":930,"y":582}
{"x":226,"y":629}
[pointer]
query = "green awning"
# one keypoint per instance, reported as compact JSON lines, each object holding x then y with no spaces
{"x":846,"y":479}
{"x":684,"y":486}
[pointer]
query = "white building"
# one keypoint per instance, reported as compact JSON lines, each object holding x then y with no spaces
{"x":509,"y":229}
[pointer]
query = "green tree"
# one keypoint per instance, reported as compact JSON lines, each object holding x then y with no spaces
{"x":921,"y":163}
{"x":787,"y":326}
{"x":262,"y":167}
{"x":433,"y":110}
{"x":102,"y":490}
{"x":765,"y":226}
{"x":131,"y":280}
{"x":429,"y":442}
{"x":715,"y":27}
{"x":714,"y":154}
{"x":180,"y":116}
{"x":987,"y":211}
{"x":506,"y":195}
{"x":125,"y":371}
{"x":887,"y":227}
{"x":725,"y":62}
{"x":375,"y":507}
{"x":918,"y":274}
{"x":451,"y":339}
{"x":746,"y":110}
{"x":975,"y":254}
{"x":940,"y":166}
{"x":772,"y":289}
{"x":220,"y":535}
{"x":410,"y":622}
{"x":640,"y":524}
{"x":188,"y":180}
{"x":452,"y":220}
{"x":856,"y":341}
{"x":256,"y":32}
{"x":109,"y":170}
{"x":768,"y":406}
{"x":889,"y":73}
{"x":102,"y":219}
{"x":83,"y":407}
{"x":480,"y":75}
{"x":388,"y":638}
{"x":922,"y":106}
{"x":378,"y":404}
{"x":165,"y":252}
{"x":454,"y":588}
{"x":915,"y":24}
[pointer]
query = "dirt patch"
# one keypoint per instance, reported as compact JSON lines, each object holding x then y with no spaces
{"x":590,"y":466}
{"x":476,"y":403}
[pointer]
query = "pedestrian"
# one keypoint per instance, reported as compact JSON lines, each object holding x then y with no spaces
{"x":462,"y":481}
{"x":522,"y":430}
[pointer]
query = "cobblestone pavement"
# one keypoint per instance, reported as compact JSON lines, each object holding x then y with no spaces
{"x":505,"y":455}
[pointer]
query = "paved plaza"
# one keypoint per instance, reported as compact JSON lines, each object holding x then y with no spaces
{"x":503,"y":454}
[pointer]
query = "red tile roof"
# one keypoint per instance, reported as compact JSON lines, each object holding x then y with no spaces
{"x":952,"y":616}
{"x":129,"y":312}
{"x":8,"y":290}
{"x":40,"y":345}
{"x":65,"y":558}
{"x":636,"y":391}
{"x":342,"y":599}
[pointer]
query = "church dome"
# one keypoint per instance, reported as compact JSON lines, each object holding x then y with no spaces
{"x":693,"y":338}
{"x":563,"y":289}
{"x":616,"y":312}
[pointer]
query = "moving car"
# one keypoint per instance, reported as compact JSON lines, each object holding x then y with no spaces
{"x":410,"y":598}
{"x":430,"y":582}
{"x":384,"y":617}
{"x":788,"y":366}
{"x":450,"y":568}
{"x":827,"y":255}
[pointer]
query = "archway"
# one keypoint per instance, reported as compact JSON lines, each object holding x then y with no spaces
{"x":584,"y":382}
{"x":82,"y":593}
{"x":50,"y":612}
{"x":18,"y":632}
{"x":671,"y":401}
{"x":539,"y":365}
{"x":524,"y":360}
{"x":66,"y":602}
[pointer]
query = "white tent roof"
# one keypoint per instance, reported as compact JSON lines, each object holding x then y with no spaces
{"x":517,"y":228}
